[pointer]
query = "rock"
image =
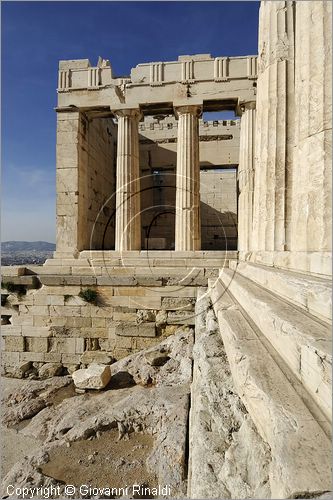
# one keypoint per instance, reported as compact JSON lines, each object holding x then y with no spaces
{"x":161,"y":318}
{"x":228,"y":458}
{"x":94,"y":377}
{"x":50,"y":370}
{"x":144,"y":316}
{"x":157,"y":358}
{"x":97,"y":357}
{"x":30,"y":399}
{"x":25,"y":367}
{"x":71,"y":368}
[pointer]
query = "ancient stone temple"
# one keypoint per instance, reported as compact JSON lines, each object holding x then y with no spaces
{"x":222,"y":226}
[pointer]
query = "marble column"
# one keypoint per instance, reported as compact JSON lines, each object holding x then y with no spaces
{"x":128,"y":219}
{"x":246,"y":176}
{"x":274,"y":136}
{"x":188,"y":224}
{"x":312,"y":187}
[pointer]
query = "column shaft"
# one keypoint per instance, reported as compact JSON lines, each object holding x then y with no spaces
{"x":128,"y":220}
{"x":188,"y":224}
{"x":274,"y":139}
{"x":312,"y":186}
{"x":246,"y":179}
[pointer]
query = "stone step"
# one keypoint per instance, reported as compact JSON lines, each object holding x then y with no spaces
{"x":158,"y":254}
{"x":300,"y":339}
{"x":298,"y":443}
{"x":311,"y":293}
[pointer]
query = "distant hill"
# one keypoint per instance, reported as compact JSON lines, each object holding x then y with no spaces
{"x":25,"y":252}
{"x":27,"y":246}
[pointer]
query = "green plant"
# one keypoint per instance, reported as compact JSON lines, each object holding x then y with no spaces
{"x":67,"y":297}
{"x":89,"y":295}
{"x":12,"y":288}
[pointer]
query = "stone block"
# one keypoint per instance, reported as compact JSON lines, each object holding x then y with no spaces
{"x":134,"y":291}
{"x":11,"y":330}
{"x":79,"y":346}
{"x":52,"y":280}
{"x":38,"y":310}
{"x":98,"y":322}
{"x":130,"y":330}
{"x":32,"y":356}
{"x":56,"y":300}
{"x":62,"y":345}
{"x":70,"y":358}
{"x":78,"y":322}
{"x":36,"y":344}
{"x":178,"y":303}
{"x":99,"y":357}
{"x":34,"y":331}
{"x":22,"y":319}
{"x":124,"y":316}
{"x":11,"y":358}
{"x":181,"y":318}
{"x":94,"y":332}
{"x":94,"y":377}
{"x":52,"y":357}
{"x":14,"y":344}
{"x":117,"y":280}
{"x":151,"y":302}
{"x":41,"y":299}
{"x":86,"y":271}
{"x":64,"y":311}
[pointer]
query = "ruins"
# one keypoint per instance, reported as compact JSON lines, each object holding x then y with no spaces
{"x":168,"y":222}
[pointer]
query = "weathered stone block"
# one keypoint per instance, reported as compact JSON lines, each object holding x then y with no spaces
{"x":174,"y":303}
{"x":62,"y":345}
{"x":32,"y":356}
{"x":33,"y":331}
{"x":11,"y":330}
{"x":130,"y":330}
{"x":94,"y":377}
{"x":100,"y":357}
{"x":11,"y":358}
{"x":35,"y":344}
{"x":14,"y":344}
{"x":181,"y":318}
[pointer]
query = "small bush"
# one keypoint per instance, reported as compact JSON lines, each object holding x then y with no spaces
{"x":12,"y":288}
{"x":89,"y":295}
{"x":3,"y":299}
{"x":67,"y":297}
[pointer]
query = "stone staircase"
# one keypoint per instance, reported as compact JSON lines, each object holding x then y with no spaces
{"x":275,"y":328}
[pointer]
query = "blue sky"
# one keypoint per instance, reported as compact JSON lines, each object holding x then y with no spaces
{"x":35,"y":35}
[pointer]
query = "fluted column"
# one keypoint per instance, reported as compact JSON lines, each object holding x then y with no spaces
{"x":246,"y":176}
{"x":312,"y":187}
{"x":188,"y":224}
{"x":274,"y":136}
{"x":128,"y":220}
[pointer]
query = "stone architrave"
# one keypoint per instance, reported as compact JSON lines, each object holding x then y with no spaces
{"x":246,"y":176}
{"x":128,"y":220}
{"x":188,"y":224}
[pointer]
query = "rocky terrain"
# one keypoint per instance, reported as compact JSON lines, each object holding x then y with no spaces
{"x":132,"y":432}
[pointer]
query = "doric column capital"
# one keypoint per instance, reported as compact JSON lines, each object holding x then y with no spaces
{"x":193,"y":109}
{"x":131,"y":112}
{"x":245,"y":106}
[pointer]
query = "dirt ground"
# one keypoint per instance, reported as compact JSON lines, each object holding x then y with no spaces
{"x":103,"y":462}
